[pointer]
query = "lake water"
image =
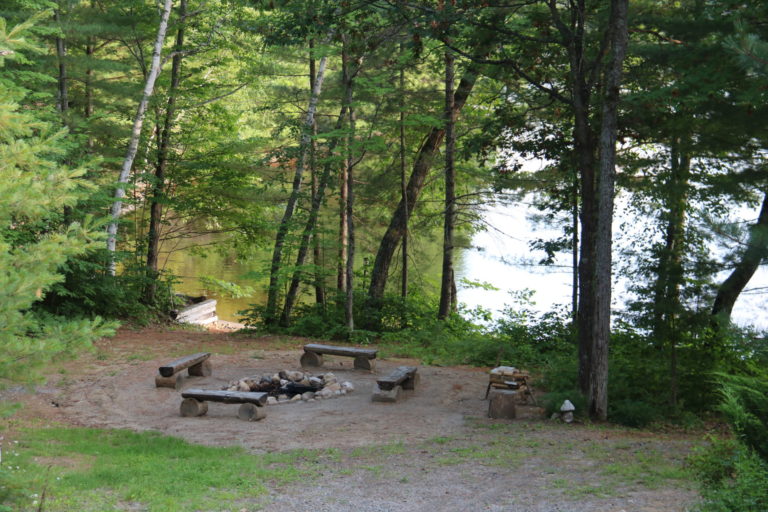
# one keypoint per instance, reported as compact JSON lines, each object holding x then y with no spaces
{"x":500,"y":256}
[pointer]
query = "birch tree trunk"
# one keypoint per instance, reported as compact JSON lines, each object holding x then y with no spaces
{"x":133,"y":144}
{"x":270,"y":314}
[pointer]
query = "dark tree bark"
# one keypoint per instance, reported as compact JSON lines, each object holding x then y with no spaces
{"x":317,"y":256}
{"x":158,"y":184}
{"x":669,"y":276}
{"x":62,"y":100}
{"x":598,"y":375}
{"x":309,"y":228}
{"x":755,"y":253}
{"x":447,"y":282}
{"x":270,"y":314}
{"x":403,"y":184}
{"x":349,"y":304}
{"x":421,"y":166}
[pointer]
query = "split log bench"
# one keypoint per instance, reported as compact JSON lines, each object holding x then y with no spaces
{"x":195,"y":403}
{"x":313,"y":355}
{"x":388,"y":388}
{"x":198,"y":365}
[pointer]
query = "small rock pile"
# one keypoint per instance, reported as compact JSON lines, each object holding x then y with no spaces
{"x":293,"y":386}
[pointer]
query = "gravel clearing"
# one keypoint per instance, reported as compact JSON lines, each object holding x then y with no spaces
{"x":432,"y":451}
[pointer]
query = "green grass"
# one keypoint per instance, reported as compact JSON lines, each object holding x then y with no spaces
{"x":97,"y":470}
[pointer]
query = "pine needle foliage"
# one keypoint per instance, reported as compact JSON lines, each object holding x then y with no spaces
{"x":34,"y":241}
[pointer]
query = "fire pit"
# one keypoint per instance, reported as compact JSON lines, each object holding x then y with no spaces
{"x":293,"y":386}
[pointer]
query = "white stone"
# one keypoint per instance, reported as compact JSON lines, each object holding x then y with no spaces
{"x":347,"y":386}
{"x":567,"y":407}
{"x":271,"y":400}
{"x":296,"y":398}
{"x":307,"y":395}
{"x":568,"y":417}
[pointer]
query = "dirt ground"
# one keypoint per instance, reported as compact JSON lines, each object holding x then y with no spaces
{"x":114,"y":388}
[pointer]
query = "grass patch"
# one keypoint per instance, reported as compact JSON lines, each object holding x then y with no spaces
{"x":96,"y":470}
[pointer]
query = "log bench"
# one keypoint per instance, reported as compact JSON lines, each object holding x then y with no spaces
{"x":195,"y":403}
{"x":313,"y":355}
{"x":197,"y":365}
{"x":389,"y":387}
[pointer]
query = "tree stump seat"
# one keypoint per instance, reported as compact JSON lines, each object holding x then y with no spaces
{"x":197,"y":365}
{"x":313,"y":355}
{"x":195,"y":403}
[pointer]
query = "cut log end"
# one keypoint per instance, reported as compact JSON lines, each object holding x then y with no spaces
{"x":501,"y":404}
{"x":311,"y":360}
{"x":201,"y":369}
{"x":250,"y":412}
{"x":191,"y":408}
{"x":174,"y":381}
{"x":363,"y":363}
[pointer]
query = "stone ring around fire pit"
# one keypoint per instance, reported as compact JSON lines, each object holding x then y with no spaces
{"x":292,"y":386}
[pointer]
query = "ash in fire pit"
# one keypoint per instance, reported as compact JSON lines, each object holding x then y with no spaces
{"x":290,"y":385}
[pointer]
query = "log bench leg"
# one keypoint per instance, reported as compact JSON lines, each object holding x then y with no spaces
{"x":311,"y":359}
{"x":201,"y":369}
{"x":410,"y":384}
{"x":174,"y":381}
{"x":392,"y":395}
{"x":363,"y":363}
{"x":251,"y":412}
{"x":191,"y":407}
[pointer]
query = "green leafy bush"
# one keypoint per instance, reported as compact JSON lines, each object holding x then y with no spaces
{"x":734,"y":479}
{"x":745,"y":405}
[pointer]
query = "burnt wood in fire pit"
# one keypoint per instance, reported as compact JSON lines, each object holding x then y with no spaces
{"x":198,"y":365}
{"x":313,"y":355}
{"x":194,"y":403}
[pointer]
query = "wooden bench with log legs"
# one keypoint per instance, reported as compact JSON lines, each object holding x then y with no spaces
{"x":195,"y":403}
{"x":169,"y":376}
{"x":313,"y":355}
{"x":389,"y":387}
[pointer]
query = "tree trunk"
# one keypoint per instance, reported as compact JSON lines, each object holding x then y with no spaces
{"x":349,"y":304}
{"x":755,"y":253}
{"x":317,"y":257}
{"x":403,"y":182}
{"x":309,"y":228}
{"x":669,"y":278}
{"x":158,"y":185}
{"x":598,"y":388}
{"x":133,"y":143}
{"x":62,"y":100}
{"x":270,"y":316}
{"x":447,"y":286}
{"x":341,"y":280}
{"x":575,"y":250}
{"x":402,"y":214}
